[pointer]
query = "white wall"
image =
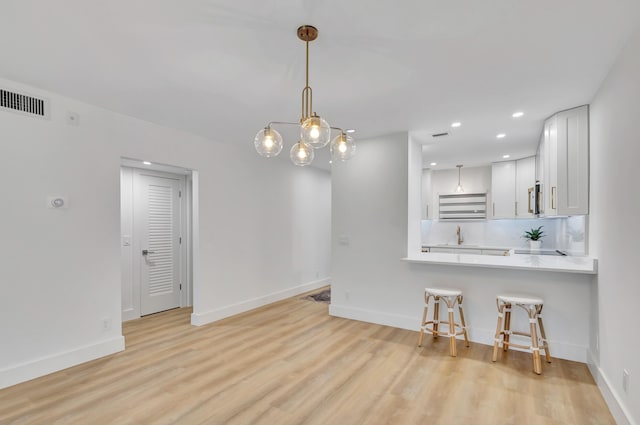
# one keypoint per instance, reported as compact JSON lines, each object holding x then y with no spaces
{"x":615,"y":153}
{"x":371,"y":283}
{"x":130,"y":293}
{"x":264,"y":230}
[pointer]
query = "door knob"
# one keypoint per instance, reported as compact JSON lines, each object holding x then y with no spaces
{"x":146,"y":252}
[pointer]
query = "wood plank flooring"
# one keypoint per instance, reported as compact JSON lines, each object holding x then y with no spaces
{"x":291,"y":363}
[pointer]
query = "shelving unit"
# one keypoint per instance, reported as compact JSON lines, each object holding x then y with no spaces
{"x":463,"y":206}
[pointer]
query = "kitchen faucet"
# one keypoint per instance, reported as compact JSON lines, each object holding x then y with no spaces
{"x":460,"y":240}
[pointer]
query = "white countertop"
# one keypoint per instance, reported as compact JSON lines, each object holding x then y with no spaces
{"x":568,"y":264}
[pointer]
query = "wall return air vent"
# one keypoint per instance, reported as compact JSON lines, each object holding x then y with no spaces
{"x":24,"y":104}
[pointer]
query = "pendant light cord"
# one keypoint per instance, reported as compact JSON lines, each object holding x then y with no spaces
{"x":307,"y":93}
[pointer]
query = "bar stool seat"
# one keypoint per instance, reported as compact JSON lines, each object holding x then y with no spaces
{"x":520,"y":299}
{"x":451,"y":297}
{"x":533,"y":306}
{"x":442,"y":292}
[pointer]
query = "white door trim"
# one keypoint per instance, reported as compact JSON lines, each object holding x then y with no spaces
{"x":187,"y":248}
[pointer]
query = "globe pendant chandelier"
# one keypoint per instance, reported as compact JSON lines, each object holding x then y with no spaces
{"x":315,"y":132}
{"x":459,"y":188}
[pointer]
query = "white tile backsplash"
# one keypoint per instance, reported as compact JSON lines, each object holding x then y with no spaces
{"x":563,"y":233}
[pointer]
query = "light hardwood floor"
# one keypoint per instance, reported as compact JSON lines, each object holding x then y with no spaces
{"x":291,"y":363}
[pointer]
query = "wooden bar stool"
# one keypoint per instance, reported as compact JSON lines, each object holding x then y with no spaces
{"x":533,"y":307}
{"x":450,"y":297}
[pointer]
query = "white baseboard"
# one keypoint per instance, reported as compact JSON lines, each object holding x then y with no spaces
{"x":33,"y":369}
{"x":199,"y":319}
{"x":370,"y":316}
{"x":558,"y":349}
{"x":129,"y":314}
{"x":618,"y":410}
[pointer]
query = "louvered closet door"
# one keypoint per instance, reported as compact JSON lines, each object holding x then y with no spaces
{"x":159,"y":222}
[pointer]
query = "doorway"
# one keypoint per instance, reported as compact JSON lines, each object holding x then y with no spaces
{"x":155,"y":240}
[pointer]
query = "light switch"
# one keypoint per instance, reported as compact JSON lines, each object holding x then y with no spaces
{"x":126,"y":240}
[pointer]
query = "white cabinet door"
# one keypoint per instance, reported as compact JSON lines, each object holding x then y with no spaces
{"x":564,"y":152}
{"x":498,"y":252}
{"x":503,"y":189}
{"x":550,"y":186}
{"x":525,"y":185}
{"x":540,"y":167}
{"x":540,"y":159}
{"x":572,"y":196}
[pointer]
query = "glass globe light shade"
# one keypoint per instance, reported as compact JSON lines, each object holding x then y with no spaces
{"x":268,"y":142}
{"x":301,"y":154}
{"x":315,"y":132}
{"x":342,"y":147}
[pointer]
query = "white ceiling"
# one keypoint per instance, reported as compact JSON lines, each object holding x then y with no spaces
{"x":223,"y":69}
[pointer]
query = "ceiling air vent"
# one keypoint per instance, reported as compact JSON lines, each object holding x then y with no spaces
{"x":440,"y":134}
{"x":24,"y":104}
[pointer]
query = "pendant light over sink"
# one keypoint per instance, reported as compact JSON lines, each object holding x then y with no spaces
{"x":459,"y":189}
{"x":315,"y":131}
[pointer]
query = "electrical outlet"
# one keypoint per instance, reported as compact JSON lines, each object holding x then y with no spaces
{"x":625,"y":380}
{"x":106,"y":324}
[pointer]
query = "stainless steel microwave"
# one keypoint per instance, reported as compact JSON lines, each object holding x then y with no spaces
{"x":535,"y":199}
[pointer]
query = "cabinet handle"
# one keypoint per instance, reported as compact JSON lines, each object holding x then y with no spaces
{"x":515,"y":208}
{"x":494,"y":209}
{"x":427,"y":211}
{"x":529,"y":209}
{"x":553,"y":198}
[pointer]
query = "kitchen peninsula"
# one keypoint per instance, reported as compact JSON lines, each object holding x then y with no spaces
{"x":567,"y":264}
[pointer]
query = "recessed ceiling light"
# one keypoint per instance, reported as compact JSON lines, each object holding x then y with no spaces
{"x":433,"y":164}
{"x":517,"y":114}
{"x":456,"y":124}
{"x":146,"y":162}
{"x":506,"y":156}
{"x":501,"y":136}
{"x":330,"y":162}
{"x":350,"y":130}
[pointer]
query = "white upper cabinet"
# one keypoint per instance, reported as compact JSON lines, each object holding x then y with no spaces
{"x":503,"y":189}
{"x":572,"y":195}
{"x":550,"y":181}
{"x":564,"y":163}
{"x":539,"y":209}
{"x":525,"y":185}
{"x":512,"y":187}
